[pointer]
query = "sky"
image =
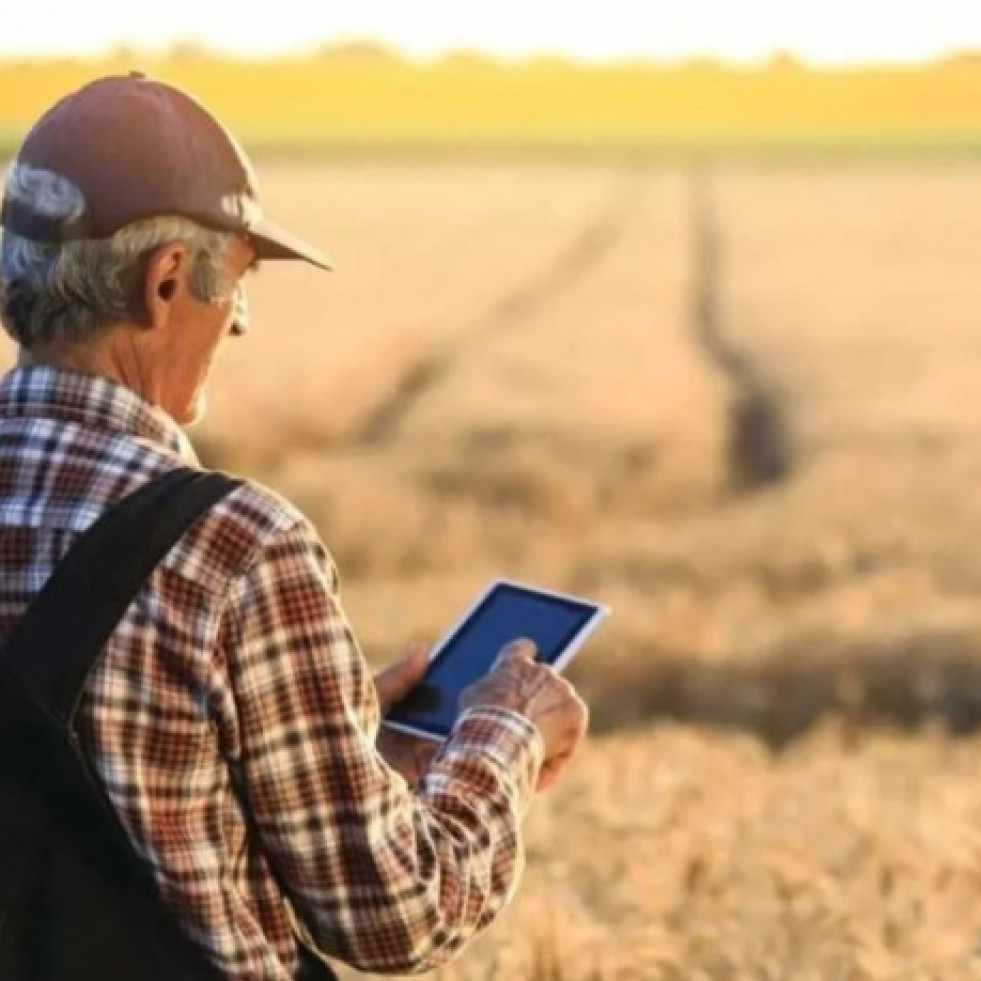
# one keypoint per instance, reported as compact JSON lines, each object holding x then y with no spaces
{"x":829,"y":32}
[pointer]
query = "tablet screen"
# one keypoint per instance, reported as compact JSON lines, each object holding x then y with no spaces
{"x":506,"y":613}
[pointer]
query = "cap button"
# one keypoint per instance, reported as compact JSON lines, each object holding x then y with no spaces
{"x":136,"y":74}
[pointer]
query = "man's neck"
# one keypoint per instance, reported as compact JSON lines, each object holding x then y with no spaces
{"x":113,"y":355}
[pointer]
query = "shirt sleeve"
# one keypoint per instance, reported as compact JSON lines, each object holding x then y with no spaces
{"x":382,"y":876}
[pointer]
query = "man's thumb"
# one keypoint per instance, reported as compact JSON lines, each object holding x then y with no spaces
{"x":413,"y":666}
{"x":398,"y":679}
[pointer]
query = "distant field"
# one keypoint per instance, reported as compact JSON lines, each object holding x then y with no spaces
{"x":738,"y":403}
{"x":670,"y":148}
{"x":362,"y":98}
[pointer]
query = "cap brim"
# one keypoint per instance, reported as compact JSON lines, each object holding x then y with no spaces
{"x":273,"y":242}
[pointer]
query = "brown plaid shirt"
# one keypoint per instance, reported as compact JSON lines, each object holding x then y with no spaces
{"x":237,"y":651}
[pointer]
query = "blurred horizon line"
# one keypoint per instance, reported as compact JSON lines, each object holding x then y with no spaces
{"x":369,"y":49}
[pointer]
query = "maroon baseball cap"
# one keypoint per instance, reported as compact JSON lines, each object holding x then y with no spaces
{"x":136,"y":148}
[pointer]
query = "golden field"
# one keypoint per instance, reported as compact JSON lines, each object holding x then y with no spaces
{"x":738,"y":403}
{"x":359,"y":94}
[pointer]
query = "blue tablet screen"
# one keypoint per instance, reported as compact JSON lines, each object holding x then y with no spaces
{"x":506,"y":613}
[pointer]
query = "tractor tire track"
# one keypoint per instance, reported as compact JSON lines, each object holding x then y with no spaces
{"x":572,"y":263}
{"x":759,"y":449}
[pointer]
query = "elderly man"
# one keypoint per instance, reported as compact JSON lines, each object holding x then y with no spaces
{"x":130,"y":219}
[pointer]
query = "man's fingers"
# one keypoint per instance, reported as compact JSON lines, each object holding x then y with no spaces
{"x":550,"y":771}
{"x":521,"y":649}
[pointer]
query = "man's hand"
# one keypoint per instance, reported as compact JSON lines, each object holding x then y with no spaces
{"x":410,"y":755}
{"x":519,"y":682}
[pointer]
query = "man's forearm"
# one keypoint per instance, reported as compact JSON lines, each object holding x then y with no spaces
{"x":451,"y":855}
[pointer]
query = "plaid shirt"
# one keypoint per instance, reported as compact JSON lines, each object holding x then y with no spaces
{"x":237,"y":651}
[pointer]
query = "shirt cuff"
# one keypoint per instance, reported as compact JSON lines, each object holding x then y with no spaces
{"x":507,"y":738}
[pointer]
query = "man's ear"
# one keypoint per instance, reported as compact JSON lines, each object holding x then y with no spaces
{"x":164,"y":282}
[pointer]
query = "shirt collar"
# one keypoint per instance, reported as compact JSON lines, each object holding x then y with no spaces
{"x":96,"y":401}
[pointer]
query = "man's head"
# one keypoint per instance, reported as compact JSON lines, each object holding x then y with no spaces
{"x":130,"y":216}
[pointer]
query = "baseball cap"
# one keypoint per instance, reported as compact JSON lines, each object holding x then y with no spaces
{"x":137,"y":147}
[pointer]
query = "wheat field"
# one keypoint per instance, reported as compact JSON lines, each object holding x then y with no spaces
{"x":348,"y":97}
{"x":735,"y":401}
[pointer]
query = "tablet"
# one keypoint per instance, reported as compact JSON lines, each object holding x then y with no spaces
{"x":557,"y":623}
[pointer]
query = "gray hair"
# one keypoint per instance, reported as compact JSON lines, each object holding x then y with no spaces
{"x":72,"y":291}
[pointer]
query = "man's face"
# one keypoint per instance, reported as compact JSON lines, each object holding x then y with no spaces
{"x":195,"y":330}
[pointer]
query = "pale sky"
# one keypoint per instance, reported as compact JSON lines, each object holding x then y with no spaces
{"x":824,"y":31}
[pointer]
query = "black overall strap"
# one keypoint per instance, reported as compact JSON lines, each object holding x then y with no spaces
{"x":53,"y":647}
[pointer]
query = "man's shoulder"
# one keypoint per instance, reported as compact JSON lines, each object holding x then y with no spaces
{"x":234,"y":533}
{"x":260,"y":510}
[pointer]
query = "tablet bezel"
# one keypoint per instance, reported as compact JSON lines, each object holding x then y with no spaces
{"x":582,"y":634}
